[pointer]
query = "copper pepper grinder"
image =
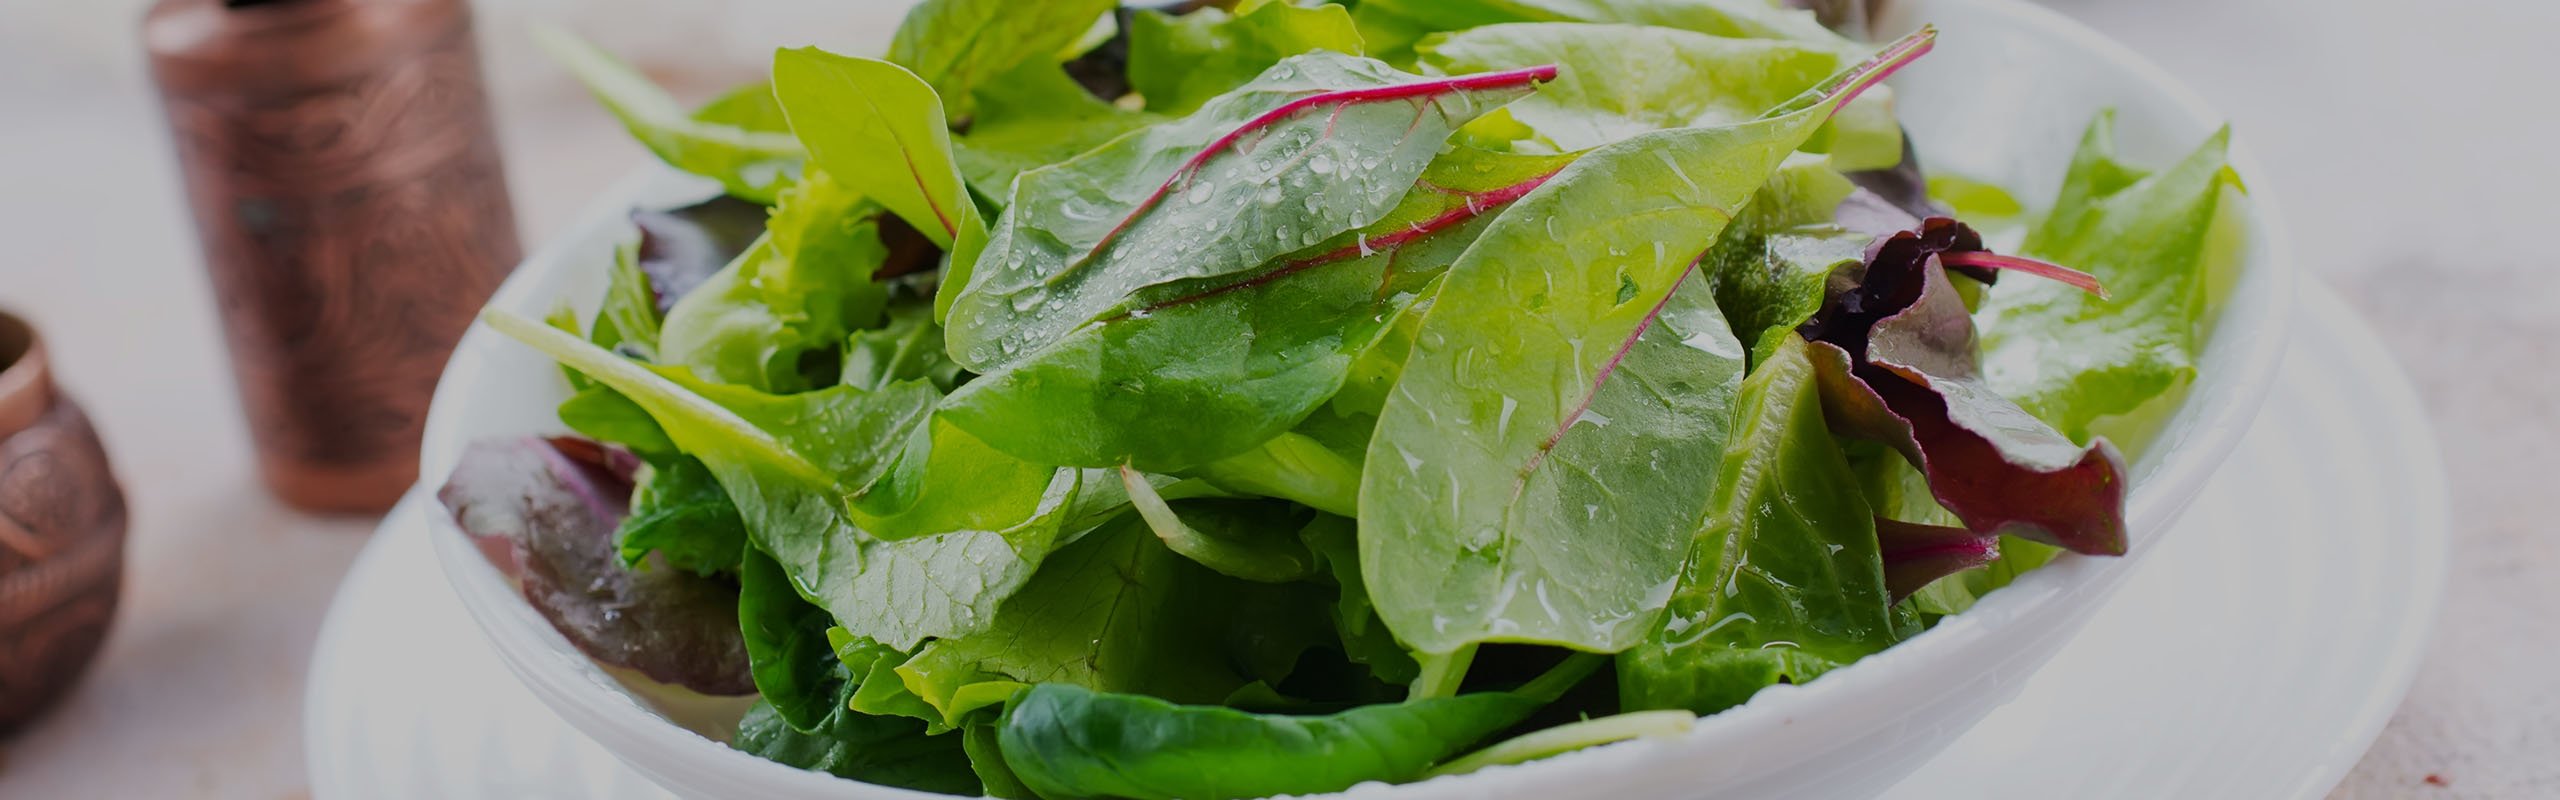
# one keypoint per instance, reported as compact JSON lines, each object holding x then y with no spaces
{"x":344,"y":174}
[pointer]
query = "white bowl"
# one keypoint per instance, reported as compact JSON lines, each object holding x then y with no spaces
{"x":2003,"y":98}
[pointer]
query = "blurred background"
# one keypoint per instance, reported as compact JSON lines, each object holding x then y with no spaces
{"x":2411,"y":144}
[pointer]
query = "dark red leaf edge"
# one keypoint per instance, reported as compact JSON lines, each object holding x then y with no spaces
{"x":681,"y":247}
{"x":544,"y":511}
{"x":1898,"y":364}
{"x":1917,"y":555}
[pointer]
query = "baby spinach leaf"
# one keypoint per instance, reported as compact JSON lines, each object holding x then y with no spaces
{"x":880,"y":129}
{"x":1319,"y":145}
{"x":1617,"y":81}
{"x":682,"y":247}
{"x":1033,"y":117}
{"x":960,"y":45}
{"x":1784,"y":582}
{"x":681,"y":513}
{"x":1244,"y":357}
{"x":544,"y":511}
{"x":889,"y":751}
{"x":753,"y":163}
{"x":1179,"y":62}
{"x":1515,"y":491}
{"x":795,"y":669}
{"x":1243,"y":539}
{"x":1116,"y":611}
{"x":793,"y":465}
{"x":1899,"y":366}
{"x":2152,"y":241}
{"x":1071,"y":741}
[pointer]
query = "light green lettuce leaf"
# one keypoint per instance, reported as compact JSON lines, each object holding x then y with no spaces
{"x":961,"y":45}
{"x":2072,"y":358}
{"x":879,"y":130}
{"x":732,"y":141}
{"x":1178,"y":63}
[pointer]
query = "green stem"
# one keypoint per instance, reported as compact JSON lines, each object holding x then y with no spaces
{"x":1568,"y":738}
{"x":1562,"y":678}
{"x":1441,"y":673}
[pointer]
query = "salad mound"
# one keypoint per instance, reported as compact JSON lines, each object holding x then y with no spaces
{"x":1231,"y":400}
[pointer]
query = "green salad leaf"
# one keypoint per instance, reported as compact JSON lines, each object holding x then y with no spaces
{"x":1248,"y":355}
{"x":734,"y":140}
{"x":1319,"y":145}
{"x":848,"y":111}
{"x":1179,"y":63}
{"x":2151,"y":240}
{"x":1229,"y":399}
{"x":1618,"y":81}
{"x":1784,"y":581}
{"x":1544,"y":454}
{"x":958,"y":46}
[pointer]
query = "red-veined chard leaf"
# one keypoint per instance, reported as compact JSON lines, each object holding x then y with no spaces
{"x":1319,"y":145}
{"x":1899,"y":366}
{"x":799,"y":468}
{"x":732,"y":141}
{"x":1242,"y":357}
{"x":1784,"y":582}
{"x":1535,"y":474}
{"x":545,"y":512}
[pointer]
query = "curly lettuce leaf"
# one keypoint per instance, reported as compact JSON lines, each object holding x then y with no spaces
{"x":1784,"y":581}
{"x":2073,"y":359}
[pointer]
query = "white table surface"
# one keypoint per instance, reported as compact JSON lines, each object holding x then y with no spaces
{"x":2414,"y":144}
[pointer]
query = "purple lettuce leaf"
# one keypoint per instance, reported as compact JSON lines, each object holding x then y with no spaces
{"x":1917,"y":555}
{"x":681,"y":247}
{"x":1900,"y":365}
{"x":544,"y":511}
